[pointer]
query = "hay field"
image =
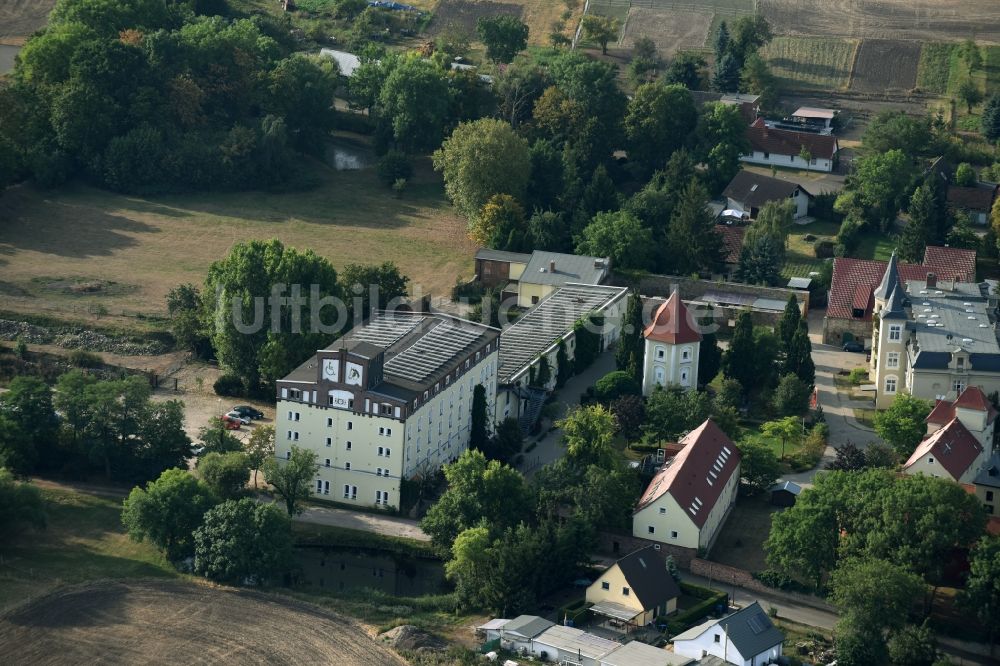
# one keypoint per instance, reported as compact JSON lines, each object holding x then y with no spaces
{"x":823,"y":63}
{"x":671,"y":31}
{"x":136,"y":249}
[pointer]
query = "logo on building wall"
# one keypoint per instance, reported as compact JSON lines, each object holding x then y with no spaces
{"x":353,"y":374}
{"x":331,"y":370}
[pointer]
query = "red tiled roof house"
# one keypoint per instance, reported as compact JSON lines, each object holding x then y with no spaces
{"x":689,"y":499}
{"x":973,"y":409}
{"x":952,"y":452}
{"x":770,"y":146}
{"x":670,"y":348}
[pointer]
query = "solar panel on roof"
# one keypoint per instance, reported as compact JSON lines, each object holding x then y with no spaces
{"x":757,"y":623}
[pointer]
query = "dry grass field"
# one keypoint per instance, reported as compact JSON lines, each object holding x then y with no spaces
{"x":924,"y":20}
{"x":78,"y":252}
{"x":671,"y":31}
{"x":823,"y":63}
{"x":884,"y":64}
{"x":20,"y":18}
{"x":538,"y":14}
{"x":146,"y":622}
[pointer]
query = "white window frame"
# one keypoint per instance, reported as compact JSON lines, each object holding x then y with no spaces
{"x":892,"y":360}
{"x":893,"y":382}
{"x":895,"y":333}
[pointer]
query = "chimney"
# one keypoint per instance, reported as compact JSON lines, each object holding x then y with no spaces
{"x":931,"y":281}
{"x":552,"y":266}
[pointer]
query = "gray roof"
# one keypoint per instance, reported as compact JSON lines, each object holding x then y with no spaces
{"x":418,"y":348}
{"x":640,"y":654}
{"x":790,"y":486}
{"x":754,"y":189}
{"x":944,"y":320}
{"x":799,"y":283}
{"x":528,"y":626}
{"x":990,"y":474}
{"x":570,"y":268}
{"x":501,"y":255}
{"x":695,"y":631}
{"x":576,"y":641}
{"x":889,"y":279}
{"x":550,"y":320}
{"x":645,"y":571}
{"x":751,"y":631}
{"x":894,"y":305}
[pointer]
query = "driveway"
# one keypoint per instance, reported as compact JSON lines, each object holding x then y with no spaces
{"x":356,"y":520}
{"x":549,"y":447}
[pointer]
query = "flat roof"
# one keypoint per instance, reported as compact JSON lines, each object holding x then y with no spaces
{"x":799,"y":283}
{"x":546,"y":323}
{"x":814,"y":112}
{"x":613,"y":610}
{"x":576,"y":640}
{"x":951,"y":317}
{"x":640,"y":654}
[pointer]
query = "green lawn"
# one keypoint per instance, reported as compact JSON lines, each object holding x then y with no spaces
{"x":84,"y":540}
{"x":811,"y":62}
{"x":991,"y":63}
{"x":800,"y":255}
{"x":876,"y":246}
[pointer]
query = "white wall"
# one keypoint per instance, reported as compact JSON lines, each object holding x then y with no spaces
{"x":673,"y":369}
{"x":791,"y":161}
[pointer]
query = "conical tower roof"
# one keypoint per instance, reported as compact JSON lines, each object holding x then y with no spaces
{"x":889,"y":279}
{"x":894,"y":306}
{"x":672,"y":323}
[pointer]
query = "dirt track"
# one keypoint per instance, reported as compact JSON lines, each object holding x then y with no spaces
{"x":156,"y":622}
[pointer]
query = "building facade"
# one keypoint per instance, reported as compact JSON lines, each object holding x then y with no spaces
{"x":391,"y":400}
{"x":636,"y":589}
{"x":671,"y":345}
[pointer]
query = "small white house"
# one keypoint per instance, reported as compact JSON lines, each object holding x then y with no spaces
{"x":771,"y":146}
{"x":517,"y":635}
{"x":952,"y":452}
{"x":568,"y":645}
{"x":749,"y":191}
{"x":745,"y":638}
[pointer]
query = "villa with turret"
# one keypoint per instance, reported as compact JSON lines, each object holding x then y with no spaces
{"x":932,"y":338}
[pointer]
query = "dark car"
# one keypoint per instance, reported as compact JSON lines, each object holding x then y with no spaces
{"x":248,"y":412}
{"x":853,"y":346}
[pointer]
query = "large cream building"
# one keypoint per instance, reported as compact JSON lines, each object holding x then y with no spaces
{"x":390,"y":400}
{"x":932,"y":338}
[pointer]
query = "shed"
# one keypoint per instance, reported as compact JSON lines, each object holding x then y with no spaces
{"x":784,"y":493}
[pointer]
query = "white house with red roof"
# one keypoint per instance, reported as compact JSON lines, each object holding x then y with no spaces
{"x":670,"y":356}
{"x":688,"y":500}
{"x":973,"y":409}
{"x":952,"y":452}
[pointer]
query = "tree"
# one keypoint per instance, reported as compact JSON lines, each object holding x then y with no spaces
{"x":982,"y":589}
{"x":685,"y":69}
{"x":660,"y":119}
{"x":630,"y":414}
{"x":919,"y":230}
{"x":902,"y":424}
{"x":709,"y":358}
{"x":990,"y":123}
{"x":762,"y":256}
{"x":506,"y":442}
{"x":618,"y":235}
{"x":479,"y":432}
{"x":697,"y":248}
{"x":380,"y":286}
{"x":601,"y":29}
{"x":791,"y":397}
{"x":721,"y":42}
{"x":727,"y":74}
{"x":965,"y":175}
{"x":897,"y":130}
{"x":803,"y":540}
{"x":215,"y":438}
{"x":756,"y":77}
{"x":564,"y":367}
{"x":21,"y":507}
{"x":913,"y":646}
{"x":787,"y":429}
{"x":759,"y":467}
{"x":259,"y":448}
{"x":748,"y":35}
{"x":243,"y":542}
{"x":503,"y":35}
{"x":671,"y":413}
{"x":645,"y":61}
{"x":882,"y":180}
{"x":302,"y":88}
{"x":614,"y":385}
{"x":500,"y":225}
{"x":849,"y":458}
{"x":874,"y":593}
{"x":167,"y":512}
{"x":481,"y":159}
{"x":969,"y":93}
{"x":722,"y":140}
{"x":244,"y":280}
{"x":788,"y":325}
{"x":629,"y":352}
{"x":730,"y":393}
{"x":587,"y":336}
{"x":28,"y":425}
{"x":415,"y":100}
{"x":588,"y":433}
{"x":184,"y":307}
{"x":225,"y":474}
{"x":798,"y":359}
{"x":478,"y":490}
{"x":879,"y":456}
{"x":292,"y":478}
{"x":738,"y":359}
{"x":970,"y":54}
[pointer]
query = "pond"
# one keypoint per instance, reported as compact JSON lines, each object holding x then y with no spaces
{"x":344,"y":569}
{"x":347,"y":154}
{"x":7,"y":54}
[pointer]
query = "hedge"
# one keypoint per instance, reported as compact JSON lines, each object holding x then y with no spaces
{"x":577,"y":612}
{"x":686,"y":619}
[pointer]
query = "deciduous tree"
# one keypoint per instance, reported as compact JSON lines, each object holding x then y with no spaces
{"x":618,"y":235}
{"x":759,"y":467}
{"x":901,"y":425}
{"x":601,"y":29}
{"x":21,"y":507}
{"x":225,"y":474}
{"x":504,"y":36}
{"x":292,"y":478}
{"x":660,"y":119}
{"x":167,"y":512}
{"x":588,"y":433}
{"x":243,"y":542}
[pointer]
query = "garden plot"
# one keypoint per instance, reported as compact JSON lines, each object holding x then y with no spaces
{"x":464,"y":14}
{"x":885,"y":64}
{"x":671,"y":30}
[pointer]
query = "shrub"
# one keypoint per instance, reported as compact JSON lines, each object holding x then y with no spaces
{"x":84,"y":359}
{"x":824,"y":249}
{"x":228,"y":385}
{"x":858,"y":376}
{"x":616,"y":384}
{"x":393,"y":166}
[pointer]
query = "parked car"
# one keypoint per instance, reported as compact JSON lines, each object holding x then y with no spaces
{"x":243,"y":420}
{"x":196,"y":451}
{"x":246,"y":411}
{"x":230,"y":422}
{"x":854,"y":346}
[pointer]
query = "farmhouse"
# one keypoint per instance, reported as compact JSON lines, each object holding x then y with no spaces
{"x":932,"y":338}
{"x":852,"y":290}
{"x":671,"y":345}
{"x":952,"y":452}
{"x":635,"y":590}
{"x":744,"y":638}
{"x":973,"y":409}
{"x":689,"y":499}
{"x":976,"y":201}
{"x":391,"y":400}
{"x":748,"y":192}
{"x":772,"y":146}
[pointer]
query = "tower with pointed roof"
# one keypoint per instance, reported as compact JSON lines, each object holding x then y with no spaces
{"x":671,"y":344}
{"x":888,"y":361}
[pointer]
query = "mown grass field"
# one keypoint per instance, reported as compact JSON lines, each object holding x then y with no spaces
{"x":875,"y":246}
{"x":84,"y":540}
{"x":812,"y":62}
{"x":800,"y":255}
{"x":136,"y":249}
